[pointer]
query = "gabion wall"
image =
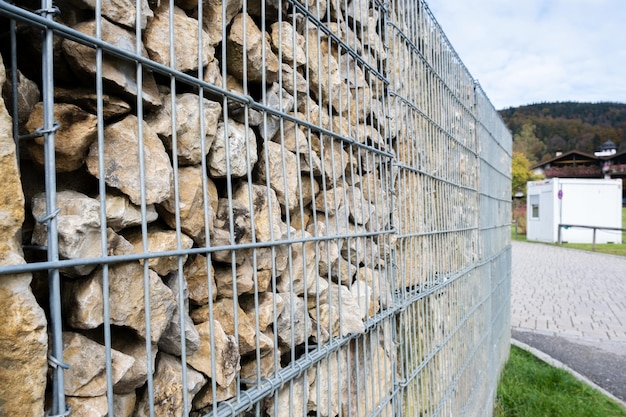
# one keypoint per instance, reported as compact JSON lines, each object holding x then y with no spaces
{"x":247,"y":208}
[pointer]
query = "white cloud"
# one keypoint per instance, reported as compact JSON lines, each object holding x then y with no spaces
{"x":537,"y":50}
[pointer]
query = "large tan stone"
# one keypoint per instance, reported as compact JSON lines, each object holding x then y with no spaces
{"x":212,"y":17}
{"x":122,"y":12}
{"x":225,"y":356}
{"x":199,"y":275}
{"x":241,"y":154}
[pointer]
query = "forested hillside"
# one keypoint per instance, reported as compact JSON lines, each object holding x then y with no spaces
{"x":540,"y":130}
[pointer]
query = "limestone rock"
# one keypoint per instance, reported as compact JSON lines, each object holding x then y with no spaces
{"x":121,"y":155}
{"x":288,"y":43}
{"x":351,"y":318}
{"x":212,"y":17}
{"x":283,"y":176}
{"x":332,"y":374}
{"x":224,"y":311}
{"x":241,"y":149}
{"x":267,"y":364}
{"x":89,"y":406}
{"x":86,"y":358}
{"x":27,"y":95}
{"x":225,"y":357}
{"x":23,"y":345}
{"x":121,"y":213}
{"x":268,"y":223}
{"x":244,"y":277}
{"x":290,"y":400}
{"x":112,"y":107}
{"x":279,"y":99}
{"x":78,"y":225}
{"x":168,"y":388}
{"x":364,"y":296}
{"x":265,"y":308}
{"x":120,"y":75}
{"x":157,"y":39}
{"x":122,"y":12}
{"x":160,"y":240}
{"x":197,"y":276}
{"x":334,"y":157}
{"x":170,"y":341}
{"x":294,"y":83}
{"x":76,"y":133}
{"x":377,"y":280}
{"x":124,"y":405}
{"x":188,"y":143}
{"x":84,"y":299}
{"x":301,"y":276}
{"x":240,"y":111}
{"x":191,"y":203}
{"x":205,"y":397}
{"x":256,"y":44}
{"x":129,"y":344}
{"x":293,"y":325}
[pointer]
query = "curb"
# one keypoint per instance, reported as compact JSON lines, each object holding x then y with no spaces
{"x":557,"y":364}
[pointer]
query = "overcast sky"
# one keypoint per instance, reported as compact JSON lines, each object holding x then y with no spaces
{"x":532,"y":51}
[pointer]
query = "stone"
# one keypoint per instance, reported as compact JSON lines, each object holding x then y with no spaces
{"x":187,"y":108}
{"x":118,"y":75}
{"x":186,"y":47}
{"x":282,"y":170}
{"x":289,"y":400}
{"x":121,"y":155}
{"x":260,"y":62}
{"x":78,"y":225}
{"x":160,"y":240}
{"x":288,"y":44}
{"x":168,"y":388}
{"x":242,"y":150}
{"x":122,"y":12}
{"x":205,"y":397}
{"x":335,"y":158}
{"x":377,"y":280}
{"x":197,"y":273}
{"x":237,"y":213}
{"x":328,"y":249}
{"x":212,"y":12}
{"x":23,"y":344}
{"x":265,"y":307}
{"x":86,"y":376}
{"x":294,"y":83}
{"x":293,"y":326}
{"x":365,"y":297}
{"x":331,"y":201}
{"x":191,"y":203}
{"x":278,"y":99}
{"x":244,"y":278}
{"x":265,"y":207}
{"x":224,"y":311}
{"x":121,"y":213}
{"x":301,"y":275}
{"x":89,"y":406}
{"x":27,"y":96}
{"x":267,"y":364}
{"x":128,"y":343}
{"x":170,"y":341}
{"x":351,"y":319}
{"x":224,"y":355}
{"x":112,"y":107}
{"x":124,"y":404}
{"x":239,"y":110}
{"x":84,"y":300}
{"x":332,"y":375}
{"x":76,"y":133}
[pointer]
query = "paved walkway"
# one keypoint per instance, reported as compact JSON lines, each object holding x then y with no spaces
{"x":571,"y":305}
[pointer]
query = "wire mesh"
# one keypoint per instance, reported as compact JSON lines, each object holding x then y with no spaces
{"x":258,"y":208}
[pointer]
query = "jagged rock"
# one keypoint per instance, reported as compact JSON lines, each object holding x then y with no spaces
{"x":240,"y":111}
{"x":121,"y":154}
{"x":244,"y":276}
{"x":328,"y":249}
{"x":225,"y":354}
{"x":121,"y":213}
{"x":351,"y":318}
{"x":170,"y":340}
{"x":293,"y":325}
{"x":240,"y":213}
{"x":124,"y":405}
{"x":212,"y":17}
{"x":289,"y":401}
{"x":205,"y":397}
{"x":265,"y":308}
{"x":23,"y":345}
{"x":197,"y":276}
{"x":377,"y":280}
{"x":112,"y":107}
{"x":122,"y":12}
{"x":191,"y":203}
{"x":268,"y":223}
{"x":301,"y":276}
{"x":334,"y":157}
{"x":268,"y":366}
{"x":168,"y":388}
{"x":224,"y":311}
{"x":84,"y":300}
{"x":27,"y":96}
{"x":161,"y":240}
{"x":279,"y":99}
{"x":242,"y":148}
{"x":365,"y":297}
{"x":76,"y":133}
{"x":288,"y":43}
{"x":89,"y":406}
{"x":118,"y":74}
{"x":86,"y":376}
{"x":129,"y":344}
{"x":187,"y":108}
{"x":260,"y":62}
{"x":282,"y":169}
{"x":332,"y":374}
{"x":294,"y":83}
{"x":156,"y":38}
{"x":78,"y":225}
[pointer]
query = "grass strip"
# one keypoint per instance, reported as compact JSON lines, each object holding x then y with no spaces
{"x":530,"y":387}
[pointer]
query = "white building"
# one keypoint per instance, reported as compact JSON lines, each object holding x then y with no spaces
{"x":574,"y":201}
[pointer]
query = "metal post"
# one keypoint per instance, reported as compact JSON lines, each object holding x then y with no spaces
{"x":593,"y":245}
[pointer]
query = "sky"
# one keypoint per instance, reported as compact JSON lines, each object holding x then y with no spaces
{"x":532,"y":51}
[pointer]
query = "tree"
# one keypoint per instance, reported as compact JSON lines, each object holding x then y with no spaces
{"x":520,"y":173}
{"x":526,"y":142}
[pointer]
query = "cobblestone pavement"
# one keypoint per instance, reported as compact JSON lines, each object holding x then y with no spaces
{"x":571,"y":305}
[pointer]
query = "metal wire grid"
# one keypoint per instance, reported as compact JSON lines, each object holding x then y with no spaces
{"x":447,"y":316}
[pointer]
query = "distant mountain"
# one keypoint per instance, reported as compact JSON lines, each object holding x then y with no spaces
{"x":565,"y":126}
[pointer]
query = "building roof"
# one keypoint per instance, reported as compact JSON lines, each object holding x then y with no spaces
{"x":569,"y":158}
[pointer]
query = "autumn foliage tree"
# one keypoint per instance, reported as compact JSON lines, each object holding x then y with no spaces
{"x":520,"y":173}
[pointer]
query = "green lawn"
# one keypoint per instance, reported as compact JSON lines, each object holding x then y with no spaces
{"x":531,"y":388}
